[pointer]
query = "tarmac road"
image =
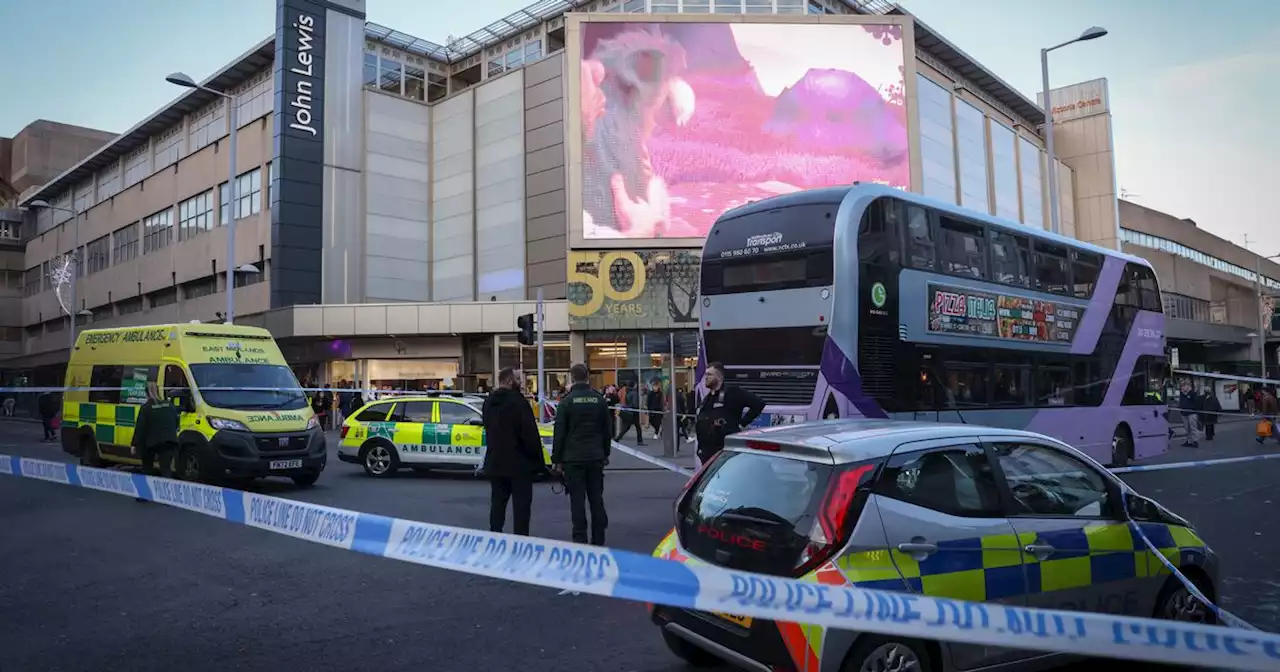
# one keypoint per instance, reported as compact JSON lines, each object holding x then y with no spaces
{"x":92,"y":581}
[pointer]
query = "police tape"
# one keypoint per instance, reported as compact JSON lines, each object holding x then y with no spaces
{"x":1193,"y":463}
{"x":632,"y":576}
{"x":656,"y":461}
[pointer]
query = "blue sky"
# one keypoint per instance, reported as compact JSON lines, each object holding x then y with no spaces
{"x":1194,"y":114}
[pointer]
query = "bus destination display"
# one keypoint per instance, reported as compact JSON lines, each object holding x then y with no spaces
{"x":967,"y":312}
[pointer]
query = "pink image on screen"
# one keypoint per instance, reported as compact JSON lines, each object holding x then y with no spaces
{"x":683,"y":121}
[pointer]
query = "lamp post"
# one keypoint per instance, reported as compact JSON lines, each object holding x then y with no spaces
{"x":1090,"y":34}
{"x":74,"y":311}
{"x":233,"y":113}
{"x":1262,"y":326}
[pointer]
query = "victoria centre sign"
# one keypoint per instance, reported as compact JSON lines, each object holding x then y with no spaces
{"x":1078,"y":101}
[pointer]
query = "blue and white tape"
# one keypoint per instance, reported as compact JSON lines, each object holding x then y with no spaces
{"x":632,"y":576}
{"x":1194,"y":463}
{"x":656,"y":461}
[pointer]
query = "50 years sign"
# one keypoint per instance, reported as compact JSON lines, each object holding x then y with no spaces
{"x":628,"y":289}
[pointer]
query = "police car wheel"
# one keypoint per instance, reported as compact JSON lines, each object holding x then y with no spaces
{"x":1178,"y":604}
{"x":690,"y":654}
{"x":380,"y":459}
{"x":887,"y":654}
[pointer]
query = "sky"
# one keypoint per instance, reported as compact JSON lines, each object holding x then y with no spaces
{"x":1193,"y":94}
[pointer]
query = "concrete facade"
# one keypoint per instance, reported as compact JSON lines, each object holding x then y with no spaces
{"x":1210,"y":288}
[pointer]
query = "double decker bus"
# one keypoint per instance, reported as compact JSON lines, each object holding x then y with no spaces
{"x":867,"y":301}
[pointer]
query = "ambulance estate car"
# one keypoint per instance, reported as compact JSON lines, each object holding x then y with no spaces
{"x":436,"y":431}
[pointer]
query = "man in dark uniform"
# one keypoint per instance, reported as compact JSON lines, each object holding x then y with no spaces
{"x":584,"y":428}
{"x":725,"y":410}
{"x":513,"y":452}
{"x":155,"y":434}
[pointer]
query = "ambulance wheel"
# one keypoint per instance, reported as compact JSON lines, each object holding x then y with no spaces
{"x":89,"y":455}
{"x":875,"y":653}
{"x":191,"y":465}
{"x":379,"y":459}
{"x":690,"y":654}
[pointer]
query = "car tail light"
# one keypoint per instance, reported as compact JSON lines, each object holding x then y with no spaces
{"x":763,"y":445}
{"x":345,"y":429}
{"x":841,"y":506}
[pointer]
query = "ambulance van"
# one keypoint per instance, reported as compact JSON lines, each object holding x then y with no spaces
{"x":243,"y":413}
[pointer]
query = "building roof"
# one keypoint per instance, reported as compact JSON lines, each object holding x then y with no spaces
{"x":230,"y":76}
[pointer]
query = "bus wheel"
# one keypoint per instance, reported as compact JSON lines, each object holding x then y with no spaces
{"x":89,"y":455}
{"x":1121,"y":446}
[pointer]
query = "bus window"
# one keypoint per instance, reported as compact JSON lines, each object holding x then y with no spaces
{"x":1010,"y":258}
{"x":1011,"y":385}
{"x":1052,"y":274}
{"x":1148,"y":289}
{"x":1053,"y":386}
{"x":965,"y":386}
{"x":877,"y":233}
{"x":1090,"y":383}
{"x":920,"y":247}
{"x":1084,"y":271}
{"x":963,"y":249}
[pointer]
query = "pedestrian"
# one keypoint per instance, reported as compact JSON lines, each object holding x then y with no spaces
{"x":320,"y":405}
{"x":725,"y":410}
{"x":155,"y":433}
{"x":655,"y":403}
{"x":1268,"y":406}
{"x":1189,"y":404}
{"x":629,"y":415}
{"x":513,"y":454}
{"x":47,"y":404}
{"x":611,"y":396}
{"x":1212,"y":407}
{"x":580,"y":451}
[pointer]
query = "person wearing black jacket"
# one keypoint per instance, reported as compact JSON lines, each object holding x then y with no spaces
{"x":581,"y":450}
{"x":1209,"y":418}
{"x":48,"y":406}
{"x":155,"y":433}
{"x":656,"y":403}
{"x":629,"y":415}
{"x":513,"y":454}
{"x":725,"y":410}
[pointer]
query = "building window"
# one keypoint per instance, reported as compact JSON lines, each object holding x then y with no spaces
{"x":163,"y":297}
{"x":33,"y":280}
{"x":195,"y":215}
{"x":1032,"y":194}
{"x":415,"y":82}
{"x":495,"y":67}
{"x":202,"y":287}
{"x":1157,"y":243}
{"x":971,"y":137}
{"x":125,"y":243}
{"x":157,"y":231}
{"x":129,"y":306}
{"x":1005,"y":173}
{"x":370,"y":69}
{"x":46,"y":277}
{"x":248,"y":195}
{"x":207,"y":125}
{"x":99,"y":254}
{"x":169,"y":146}
{"x":1179,"y":307}
{"x":390,"y":76}
{"x":937,"y":145}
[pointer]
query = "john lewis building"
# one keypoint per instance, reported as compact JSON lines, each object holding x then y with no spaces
{"x":400,"y":202}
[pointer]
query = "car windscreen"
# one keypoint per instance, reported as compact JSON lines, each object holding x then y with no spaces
{"x":249,"y":386}
{"x":753,"y":512}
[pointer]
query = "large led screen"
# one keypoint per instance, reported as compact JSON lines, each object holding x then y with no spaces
{"x":683,"y":121}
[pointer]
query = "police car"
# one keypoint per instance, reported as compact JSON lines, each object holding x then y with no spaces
{"x":435,"y":431}
{"x":953,"y":511}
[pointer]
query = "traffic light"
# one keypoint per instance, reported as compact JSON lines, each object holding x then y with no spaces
{"x":525,"y":325}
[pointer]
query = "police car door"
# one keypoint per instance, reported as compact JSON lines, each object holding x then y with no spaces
{"x":1080,"y":552}
{"x":939,"y":502}
{"x":466,"y":431}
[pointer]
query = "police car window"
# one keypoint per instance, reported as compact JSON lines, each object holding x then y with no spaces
{"x":413,"y":411}
{"x":955,"y":480}
{"x":374,"y":413}
{"x":457,"y":414}
{"x":1049,"y":482}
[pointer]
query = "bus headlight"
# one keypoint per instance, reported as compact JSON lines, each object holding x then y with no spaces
{"x":229,"y":425}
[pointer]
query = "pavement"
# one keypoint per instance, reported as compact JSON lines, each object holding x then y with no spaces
{"x":98,"y":582}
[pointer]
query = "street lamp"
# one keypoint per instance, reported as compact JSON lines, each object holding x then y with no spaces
{"x":184,"y":80}
{"x":1090,"y":34}
{"x":73,"y":311}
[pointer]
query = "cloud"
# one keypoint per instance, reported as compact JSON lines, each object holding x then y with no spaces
{"x":1259,"y":58}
